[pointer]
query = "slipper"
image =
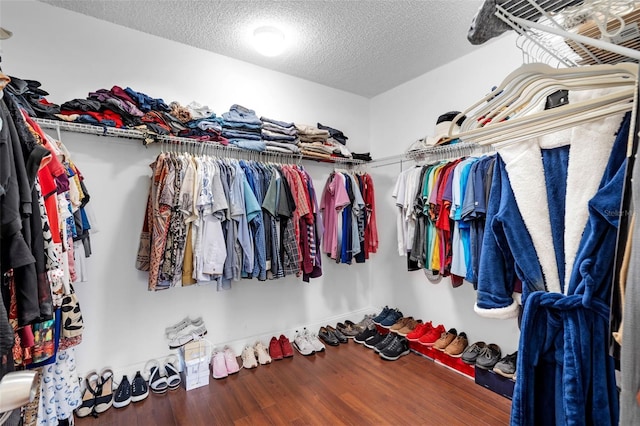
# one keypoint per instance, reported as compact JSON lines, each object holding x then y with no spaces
{"x":173,"y":376}
{"x":157,"y":382}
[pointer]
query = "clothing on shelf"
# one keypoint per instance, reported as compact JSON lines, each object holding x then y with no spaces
{"x":440,"y":216}
{"x":44,"y":217}
{"x":220,"y":220}
{"x":349,"y":213}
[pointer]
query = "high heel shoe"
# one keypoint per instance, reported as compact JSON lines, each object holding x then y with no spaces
{"x":89,"y":390}
{"x":104,"y":396}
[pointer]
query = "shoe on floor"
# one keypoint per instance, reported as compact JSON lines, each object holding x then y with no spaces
{"x":457,"y":347}
{"x":348,"y":330}
{"x":366,"y":322}
{"x":104,"y":397}
{"x":430,"y":338}
{"x":328,"y":338}
{"x":249,"y":358}
{"x":507,"y":366}
{"x":365,"y":334}
{"x":218,"y":366}
{"x":139,"y":388}
{"x":445,"y":339}
{"x":489,"y":356}
{"x":173,"y":375}
{"x":372,"y":341}
{"x":157,"y":382}
{"x":230,"y":360}
{"x":400,"y":323}
{"x":408,"y":327}
{"x":285,"y":345}
{"x":302,"y":345}
{"x":398,"y":348}
{"x":315,"y":342}
{"x":388,"y":339}
{"x":339,"y":335}
{"x":263,"y":355}
{"x":122,"y":397}
{"x":89,"y":390}
{"x":391,"y":319}
{"x":419,"y":331}
{"x":275,"y":350}
{"x":470,"y":354}
{"x":382,"y":315}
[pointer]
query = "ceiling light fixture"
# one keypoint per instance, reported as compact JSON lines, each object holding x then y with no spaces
{"x":269,"y":41}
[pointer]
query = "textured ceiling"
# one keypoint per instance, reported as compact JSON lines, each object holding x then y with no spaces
{"x":364,"y":47}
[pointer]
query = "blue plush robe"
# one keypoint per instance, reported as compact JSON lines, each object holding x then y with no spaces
{"x":552,"y":224}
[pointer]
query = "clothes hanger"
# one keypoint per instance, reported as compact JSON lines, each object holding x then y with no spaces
{"x":516,"y":82}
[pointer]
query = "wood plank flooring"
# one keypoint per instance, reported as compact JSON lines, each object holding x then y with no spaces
{"x":345,"y":385}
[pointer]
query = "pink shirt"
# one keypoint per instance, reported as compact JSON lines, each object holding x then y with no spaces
{"x":334,"y":199}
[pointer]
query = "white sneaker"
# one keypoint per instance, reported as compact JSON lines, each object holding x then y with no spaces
{"x":248,"y":358}
{"x":301,"y":343}
{"x":313,"y":340}
{"x":191,"y":332}
{"x":263,"y":355}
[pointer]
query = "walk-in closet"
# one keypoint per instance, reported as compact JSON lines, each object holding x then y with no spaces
{"x":319,"y":212}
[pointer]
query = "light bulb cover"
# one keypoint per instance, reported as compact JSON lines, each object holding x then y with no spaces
{"x":269,"y":41}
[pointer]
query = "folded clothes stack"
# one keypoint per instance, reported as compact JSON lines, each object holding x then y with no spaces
{"x":242,"y":127}
{"x":280,"y":136}
{"x":200,"y":121}
{"x":31,"y":97}
{"x":320,"y":144}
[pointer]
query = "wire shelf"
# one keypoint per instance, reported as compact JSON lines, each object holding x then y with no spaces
{"x":175,"y":142}
{"x":564,"y":33}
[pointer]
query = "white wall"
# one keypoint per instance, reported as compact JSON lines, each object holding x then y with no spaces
{"x":398,"y":118}
{"x":71,"y":55}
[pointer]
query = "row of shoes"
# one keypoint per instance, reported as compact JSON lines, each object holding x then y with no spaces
{"x":415,"y":330}
{"x":185,"y":331}
{"x":98,"y":395}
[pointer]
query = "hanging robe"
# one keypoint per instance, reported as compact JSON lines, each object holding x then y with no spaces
{"x":552,"y":224}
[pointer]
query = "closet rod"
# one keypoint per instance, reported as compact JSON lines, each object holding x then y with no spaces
{"x":460,"y":149}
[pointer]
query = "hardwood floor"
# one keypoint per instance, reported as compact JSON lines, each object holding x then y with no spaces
{"x":349,"y":385}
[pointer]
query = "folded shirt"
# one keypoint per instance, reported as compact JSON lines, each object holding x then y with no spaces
{"x":336,"y":134}
{"x":276,"y":122}
{"x":305,"y":129}
{"x":235,"y":134}
{"x":291,"y":131}
{"x":238,"y":113}
{"x":288,"y":146}
{"x":248,"y":144}
{"x":200,"y":111}
{"x":273,"y":136}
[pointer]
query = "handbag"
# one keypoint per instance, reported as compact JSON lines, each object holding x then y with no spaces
{"x":72,"y":322}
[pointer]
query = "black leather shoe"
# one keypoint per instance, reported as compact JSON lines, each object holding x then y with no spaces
{"x":327,"y":337}
{"x":339,"y":335}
